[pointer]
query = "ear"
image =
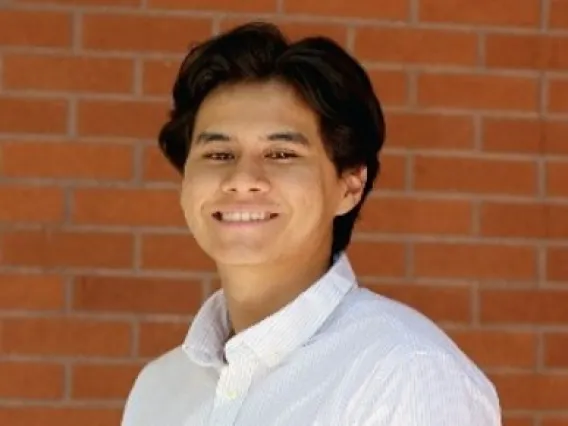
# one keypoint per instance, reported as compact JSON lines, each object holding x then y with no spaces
{"x":353,"y":183}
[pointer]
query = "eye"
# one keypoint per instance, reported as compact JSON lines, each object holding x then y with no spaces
{"x":219,"y":156}
{"x":281,"y":155}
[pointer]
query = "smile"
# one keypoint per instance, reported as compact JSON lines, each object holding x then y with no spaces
{"x":243,"y":216}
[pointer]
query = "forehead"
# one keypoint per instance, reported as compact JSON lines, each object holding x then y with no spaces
{"x":255,"y":106}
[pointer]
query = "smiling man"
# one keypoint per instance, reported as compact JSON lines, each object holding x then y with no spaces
{"x":278,"y":146}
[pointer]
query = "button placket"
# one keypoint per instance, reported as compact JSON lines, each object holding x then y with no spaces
{"x":231,"y":393}
{"x":232,"y":383}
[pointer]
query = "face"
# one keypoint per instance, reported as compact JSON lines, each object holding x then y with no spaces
{"x":258,"y":186}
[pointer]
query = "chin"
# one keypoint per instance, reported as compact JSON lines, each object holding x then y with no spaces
{"x":243,"y":256}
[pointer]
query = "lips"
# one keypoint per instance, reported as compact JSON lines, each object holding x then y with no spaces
{"x":244,"y":216}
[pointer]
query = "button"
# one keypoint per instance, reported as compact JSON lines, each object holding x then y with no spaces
{"x":227,"y":394}
{"x":232,"y":395}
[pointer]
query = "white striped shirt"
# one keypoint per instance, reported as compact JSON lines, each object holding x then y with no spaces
{"x":337,"y":355}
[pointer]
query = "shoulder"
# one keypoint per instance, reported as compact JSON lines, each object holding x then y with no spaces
{"x":156,"y":384}
{"x":431,"y":388}
{"x":163,"y":368}
{"x":153,"y":375}
{"x":415,"y":374}
{"x":387,"y":326}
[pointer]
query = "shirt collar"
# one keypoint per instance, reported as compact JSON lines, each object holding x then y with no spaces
{"x":276,"y":336}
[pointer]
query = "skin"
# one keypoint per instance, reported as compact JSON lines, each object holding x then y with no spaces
{"x":257,"y":146}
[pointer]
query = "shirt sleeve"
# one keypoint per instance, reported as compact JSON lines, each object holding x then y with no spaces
{"x":431,"y":390}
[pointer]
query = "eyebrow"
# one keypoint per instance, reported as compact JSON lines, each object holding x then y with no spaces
{"x":205,"y":137}
{"x":285,"y":136}
{"x":291,"y":136}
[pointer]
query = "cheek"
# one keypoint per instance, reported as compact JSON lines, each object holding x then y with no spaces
{"x":187,"y":202}
{"x":304,"y":188}
{"x":195,"y":190}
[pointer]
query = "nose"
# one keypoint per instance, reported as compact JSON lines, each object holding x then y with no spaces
{"x":245,"y":176}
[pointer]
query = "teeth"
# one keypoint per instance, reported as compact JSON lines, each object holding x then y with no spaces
{"x":244,"y":216}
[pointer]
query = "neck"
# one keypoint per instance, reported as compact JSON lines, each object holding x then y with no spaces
{"x":254,"y":292}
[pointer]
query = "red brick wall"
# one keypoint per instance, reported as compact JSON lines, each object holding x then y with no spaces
{"x":469,"y":223}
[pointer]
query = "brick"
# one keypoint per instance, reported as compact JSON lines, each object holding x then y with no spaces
{"x":250,"y":6}
{"x":393,"y":171}
{"x":106,"y":3}
{"x":143,"y":33}
{"x":364,"y":255}
{"x":68,"y":249}
{"x":391,"y":87}
{"x":518,"y":13}
{"x":35,"y":28}
{"x":78,"y":74}
{"x":159,"y":76}
{"x":557,"y":225}
{"x":299,"y":30}
{"x":479,"y":261}
{"x":381,"y":9}
{"x":61,"y":416}
{"x":557,"y":264}
{"x":512,"y":135}
{"x":500,"y":219}
{"x":416,"y":216}
{"x":557,"y":178}
{"x":531,"y":391}
{"x":66,"y":337}
{"x":554,"y":136}
{"x":420,"y":130}
{"x":475,"y":175}
{"x":555,"y":421}
{"x":136,"y":295}
{"x":526,"y":51}
{"x":31,"y":292}
{"x":31,"y":380}
{"x":28,"y":115}
{"x":516,"y":420}
{"x":155,"y":166}
{"x":137,"y":119}
{"x":524,"y":306}
{"x":20,"y":204}
{"x":416,"y":46}
{"x":525,"y":136}
{"x":555,"y":350}
{"x":558,"y":16}
{"x":103,"y":381}
{"x":476,"y":91}
{"x":174,"y":252}
{"x":296,"y":30}
{"x":67,"y":160}
{"x":558,"y":95}
{"x":131,"y":207}
{"x":498,"y":348}
{"x":156,"y":338}
{"x":450,"y":303}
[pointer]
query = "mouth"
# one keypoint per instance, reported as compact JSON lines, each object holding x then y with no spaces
{"x":244,"y":216}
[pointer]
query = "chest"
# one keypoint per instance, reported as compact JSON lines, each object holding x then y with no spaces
{"x":293,"y":394}
{"x":318,"y":385}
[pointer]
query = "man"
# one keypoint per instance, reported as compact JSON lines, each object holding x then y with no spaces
{"x":278,"y":147}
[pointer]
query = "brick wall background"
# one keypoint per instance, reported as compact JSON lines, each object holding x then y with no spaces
{"x":469,"y":223}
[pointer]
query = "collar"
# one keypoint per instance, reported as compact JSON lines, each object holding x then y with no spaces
{"x":272,"y":339}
